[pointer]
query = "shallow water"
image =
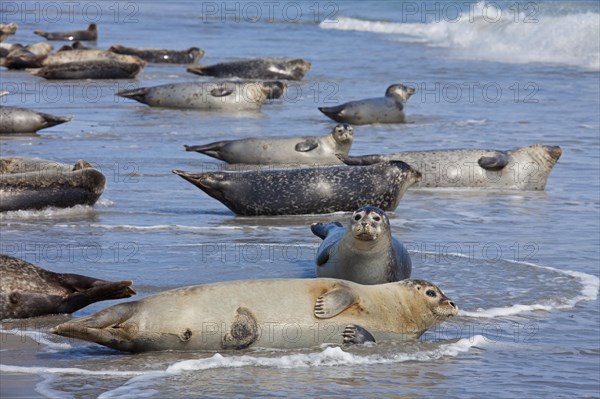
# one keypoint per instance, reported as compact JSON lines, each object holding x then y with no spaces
{"x":522,"y":266}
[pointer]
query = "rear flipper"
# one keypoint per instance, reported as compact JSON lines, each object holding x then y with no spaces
{"x":355,"y":334}
{"x":135,"y":94}
{"x":101,"y":291}
{"x":334,"y":113}
{"x":363,"y":160}
{"x":211,"y":149}
{"x":52,"y":120}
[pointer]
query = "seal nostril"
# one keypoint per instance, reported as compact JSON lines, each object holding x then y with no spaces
{"x":452,"y":304}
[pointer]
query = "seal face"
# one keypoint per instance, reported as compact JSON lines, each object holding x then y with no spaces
{"x":28,"y":291}
{"x":308,"y":150}
{"x":310,"y":190}
{"x":90,"y":34}
{"x":208,"y":96}
{"x":256,"y":68}
{"x":277,"y":313}
{"x":524,"y":168}
{"x":388,"y":109}
{"x":364,"y":252}
{"x":29,"y":183}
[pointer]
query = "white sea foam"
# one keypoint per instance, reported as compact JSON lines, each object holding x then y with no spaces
{"x":6,"y":368}
{"x":47,"y":213}
{"x":569,"y":39}
{"x":331,"y":356}
{"x":180,"y":227}
{"x":589,"y":292}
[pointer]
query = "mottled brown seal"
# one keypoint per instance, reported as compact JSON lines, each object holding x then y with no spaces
{"x":364,"y":251}
{"x":285,"y":313}
{"x":29,"y":291}
{"x":30,"y":183}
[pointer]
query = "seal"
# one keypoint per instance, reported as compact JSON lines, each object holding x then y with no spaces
{"x":208,"y":96}
{"x":276,"y":313}
{"x":312,"y":190}
{"x":308,"y":150}
{"x":30,"y":56}
{"x":88,"y":55}
{"x":7,"y":30}
{"x":364,"y":252}
{"x":14,"y":120}
{"x":92,"y":69}
{"x":29,"y":291}
{"x":29,"y":183}
{"x":256,"y":68}
{"x":88,"y":35}
{"x":388,"y":109}
{"x":161,"y":56}
{"x":523,"y":168}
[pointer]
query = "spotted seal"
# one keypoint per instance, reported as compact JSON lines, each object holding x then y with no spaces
{"x":523,"y":168}
{"x":308,"y":190}
{"x":161,"y":56}
{"x":15,"y":120}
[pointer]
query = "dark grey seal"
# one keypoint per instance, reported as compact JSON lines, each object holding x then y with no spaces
{"x":88,"y":35}
{"x":92,"y":69}
{"x":161,"y":56}
{"x":524,"y":168}
{"x":364,"y":251}
{"x":29,"y":291}
{"x":256,"y":68}
{"x":29,"y":183}
{"x":388,"y":109}
{"x":307,"y":190}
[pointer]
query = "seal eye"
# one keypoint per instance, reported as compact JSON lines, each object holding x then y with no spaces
{"x":357,"y":217}
{"x":376,"y":218}
{"x":431,"y":293}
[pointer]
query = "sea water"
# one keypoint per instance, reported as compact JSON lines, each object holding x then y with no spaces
{"x":522,"y":266}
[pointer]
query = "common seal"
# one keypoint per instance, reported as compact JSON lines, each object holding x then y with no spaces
{"x":83,"y":55}
{"x":29,"y":291}
{"x":388,"y":109}
{"x":29,"y":183}
{"x":209,"y":96}
{"x":22,"y":120}
{"x":256,"y":68}
{"x":30,"y":56}
{"x":92,"y":69}
{"x":161,"y":56}
{"x":7,"y":30}
{"x":282,"y":150}
{"x":364,"y":252}
{"x":524,"y":168}
{"x":88,"y":35}
{"x":321,"y":189}
{"x":277,"y":313}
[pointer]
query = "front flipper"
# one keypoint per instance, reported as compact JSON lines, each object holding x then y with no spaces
{"x":334,"y":302}
{"x":355,"y":334}
{"x":493,"y":163}
{"x":221,"y":92}
{"x":307,"y":145}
